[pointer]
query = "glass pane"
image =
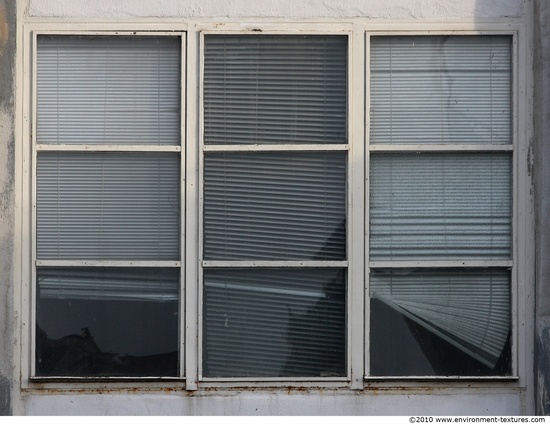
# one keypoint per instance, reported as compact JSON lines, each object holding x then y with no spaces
{"x":108,"y":206}
{"x":436,"y":206}
{"x":275,"y":206}
{"x":447,"y":89}
{"x":440,"y":322}
{"x":274,"y":322}
{"x":108,"y":90}
{"x":107,"y":322}
{"x":275,"y":89}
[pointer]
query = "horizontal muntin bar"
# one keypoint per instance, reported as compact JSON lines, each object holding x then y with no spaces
{"x":440,"y":264}
{"x":106,"y":263}
{"x":108,"y":148}
{"x":275,"y":148}
{"x":386,"y":147}
{"x":272,"y":264}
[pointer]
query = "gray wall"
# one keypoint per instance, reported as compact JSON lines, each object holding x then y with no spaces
{"x":7,"y":148}
{"x":542,"y":196}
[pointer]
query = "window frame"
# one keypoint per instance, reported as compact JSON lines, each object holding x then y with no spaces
{"x":447,"y":148}
{"x":108,"y":148}
{"x":359,"y":32}
{"x":351,"y":196}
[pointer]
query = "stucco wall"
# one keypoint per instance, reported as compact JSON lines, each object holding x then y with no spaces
{"x":290,"y":9}
{"x":275,"y":403}
{"x":7,"y":147}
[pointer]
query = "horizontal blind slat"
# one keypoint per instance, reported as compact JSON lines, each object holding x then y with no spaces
{"x":108,"y":90}
{"x":108,"y":206}
{"x":275,"y":89}
{"x":447,"y":89}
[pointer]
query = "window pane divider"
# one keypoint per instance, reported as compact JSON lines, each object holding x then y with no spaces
{"x":442,"y":378}
{"x":273,"y":264}
{"x":106,"y":263}
{"x":108,"y":148}
{"x":281,"y":380}
{"x":441,"y":264}
{"x":439,"y":148}
{"x":275,"y":148}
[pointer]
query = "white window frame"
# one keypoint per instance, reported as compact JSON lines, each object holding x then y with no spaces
{"x":350,"y":199}
{"x":512,"y":148}
{"x":358,"y":31}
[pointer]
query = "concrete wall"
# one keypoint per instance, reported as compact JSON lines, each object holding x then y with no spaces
{"x":276,"y":403}
{"x":542,"y":184}
{"x":289,"y":9}
{"x":7,"y":170}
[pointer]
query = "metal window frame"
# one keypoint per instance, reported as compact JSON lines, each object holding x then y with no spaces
{"x":351,"y":199}
{"x":360,"y":29}
{"x":512,"y":147}
{"x":36,"y":147}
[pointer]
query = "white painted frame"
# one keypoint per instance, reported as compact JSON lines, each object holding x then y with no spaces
{"x":178,"y":149}
{"x":359,"y":30}
{"x":354,"y":197}
{"x":518,"y":226}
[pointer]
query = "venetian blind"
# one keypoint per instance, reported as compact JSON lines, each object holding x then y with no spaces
{"x":108,"y":90}
{"x":441,"y":89}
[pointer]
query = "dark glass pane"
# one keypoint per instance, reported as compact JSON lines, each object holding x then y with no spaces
{"x":107,"y":322}
{"x":275,"y":206}
{"x":452,"y":322}
{"x":274,"y":322}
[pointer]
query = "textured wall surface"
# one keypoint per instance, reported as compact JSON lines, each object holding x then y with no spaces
{"x":281,"y":403}
{"x":542,"y":179}
{"x":420,"y":9}
{"x":7,"y":170}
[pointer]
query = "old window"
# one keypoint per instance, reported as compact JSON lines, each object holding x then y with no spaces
{"x":302,"y":211}
{"x":108,"y":206}
{"x":275,"y":160}
{"x":440,"y":205}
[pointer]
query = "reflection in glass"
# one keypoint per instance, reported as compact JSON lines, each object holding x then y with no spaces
{"x":107,"y":322}
{"x":440,"y":322}
{"x":274,"y":322}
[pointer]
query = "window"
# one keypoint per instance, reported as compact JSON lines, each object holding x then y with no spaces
{"x":108,"y":206}
{"x":441,"y":212}
{"x":274,"y":269}
{"x":232,"y":251}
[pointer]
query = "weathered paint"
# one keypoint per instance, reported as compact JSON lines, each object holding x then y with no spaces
{"x":273,"y":403}
{"x":289,"y":9}
{"x":542,"y":196}
{"x":7,"y":175}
